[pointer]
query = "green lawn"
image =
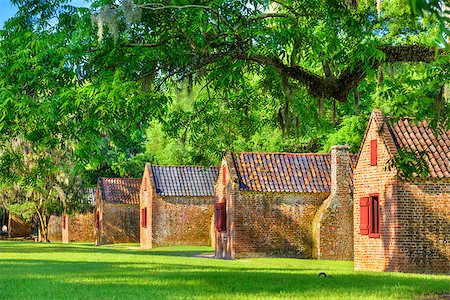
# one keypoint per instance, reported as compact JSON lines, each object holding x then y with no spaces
{"x":82,"y":271}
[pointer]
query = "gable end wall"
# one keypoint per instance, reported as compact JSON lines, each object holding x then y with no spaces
{"x":414,"y":217}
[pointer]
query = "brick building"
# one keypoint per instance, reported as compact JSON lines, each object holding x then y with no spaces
{"x":55,"y":229}
{"x":116,"y":218}
{"x":401,"y":226}
{"x":285,"y":204}
{"x":15,"y":226}
{"x":177,"y":205}
{"x":76,"y":228}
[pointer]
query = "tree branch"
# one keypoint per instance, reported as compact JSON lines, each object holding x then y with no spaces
{"x":153,"y":45}
{"x":331,"y":87}
{"x":270,"y":15}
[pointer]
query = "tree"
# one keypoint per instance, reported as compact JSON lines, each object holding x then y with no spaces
{"x":325,"y":46}
{"x":61,"y":117}
{"x":37,"y":184}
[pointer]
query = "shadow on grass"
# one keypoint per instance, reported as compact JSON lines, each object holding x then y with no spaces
{"x":161,"y":274}
{"x":22,"y":247}
{"x":47,"y":278}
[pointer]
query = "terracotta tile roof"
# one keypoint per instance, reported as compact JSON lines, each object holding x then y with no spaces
{"x":416,"y":136}
{"x":184,"y":181}
{"x":284,"y":172}
{"x":119,"y":190}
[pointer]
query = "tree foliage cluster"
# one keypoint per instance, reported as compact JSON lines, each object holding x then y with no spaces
{"x":99,"y":91}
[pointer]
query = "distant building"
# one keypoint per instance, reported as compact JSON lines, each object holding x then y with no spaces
{"x":15,"y":226}
{"x":116,"y":217}
{"x":78,"y":227}
{"x":177,"y":205}
{"x":402,"y":226}
{"x":285,"y":204}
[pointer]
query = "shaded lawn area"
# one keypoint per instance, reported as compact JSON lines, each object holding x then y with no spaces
{"x":82,"y":271}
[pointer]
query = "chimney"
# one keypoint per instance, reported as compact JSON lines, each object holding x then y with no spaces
{"x":340,"y":170}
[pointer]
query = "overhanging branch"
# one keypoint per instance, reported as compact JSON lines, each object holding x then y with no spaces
{"x":339,"y":87}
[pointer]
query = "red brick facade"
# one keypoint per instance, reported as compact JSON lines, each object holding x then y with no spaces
{"x":265,"y":221}
{"x":77,"y":228}
{"x":54,"y":229}
{"x":176,"y":206}
{"x":414,"y":217}
{"x":116,"y":216}
{"x":117,"y":223}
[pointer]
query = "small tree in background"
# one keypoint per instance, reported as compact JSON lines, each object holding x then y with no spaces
{"x":37,"y":183}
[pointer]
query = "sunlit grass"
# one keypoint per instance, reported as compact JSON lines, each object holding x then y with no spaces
{"x":83,"y":271}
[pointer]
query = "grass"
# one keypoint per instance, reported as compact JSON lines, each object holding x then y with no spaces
{"x":83,"y":271}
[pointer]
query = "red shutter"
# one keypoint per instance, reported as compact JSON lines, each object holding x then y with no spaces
{"x":64,"y":221}
{"x":224,"y":216}
{"x":374,"y":216}
{"x":373,"y":153}
{"x":218,"y":219}
{"x":221,"y":216}
{"x":97,"y":219}
{"x":224,"y":175}
{"x":144,"y":217}
{"x":364,"y":215}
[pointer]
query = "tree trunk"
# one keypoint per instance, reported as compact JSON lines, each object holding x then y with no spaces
{"x":287,"y":124}
{"x":446,"y":91}
{"x":321,"y":107}
{"x":439,"y":101}
{"x":9,"y":224}
{"x":280,"y":120}
{"x":43,"y":227}
{"x":356,"y":101}
{"x":334,"y":113}
{"x":287,"y":96}
{"x":190,"y":84}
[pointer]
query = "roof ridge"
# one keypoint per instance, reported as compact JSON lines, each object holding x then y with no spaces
{"x":285,"y":153}
{"x":136,"y":178}
{"x":182,"y":166}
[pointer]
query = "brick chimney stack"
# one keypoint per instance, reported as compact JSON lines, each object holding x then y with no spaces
{"x":333,"y":222}
{"x":340,"y":170}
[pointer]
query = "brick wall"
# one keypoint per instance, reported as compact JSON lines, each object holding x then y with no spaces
{"x":275,"y":224}
{"x":375,"y":253}
{"x":264,"y":224}
{"x":226,"y":187}
{"x":175,"y":220}
{"x":182,"y":220}
{"x":333,"y":222}
{"x":79,"y":228}
{"x":423,"y":234}
{"x":118,"y":223}
{"x":414,"y":218}
{"x":54,"y":229}
{"x":18,"y":227}
{"x":147,"y":193}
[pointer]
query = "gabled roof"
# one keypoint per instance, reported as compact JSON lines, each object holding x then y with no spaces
{"x":284,"y":172}
{"x":119,"y":190}
{"x":417,"y":136}
{"x":413,"y":135}
{"x":184,"y":181}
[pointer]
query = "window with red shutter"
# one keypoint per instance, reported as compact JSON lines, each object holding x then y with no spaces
{"x":364,"y":215}
{"x":224,"y":175}
{"x":97,"y":219}
{"x":374,"y":216}
{"x":221,"y":216}
{"x":145,"y":183}
{"x":64,"y":221}
{"x":144,"y":217}
{"x":373,"y":153}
